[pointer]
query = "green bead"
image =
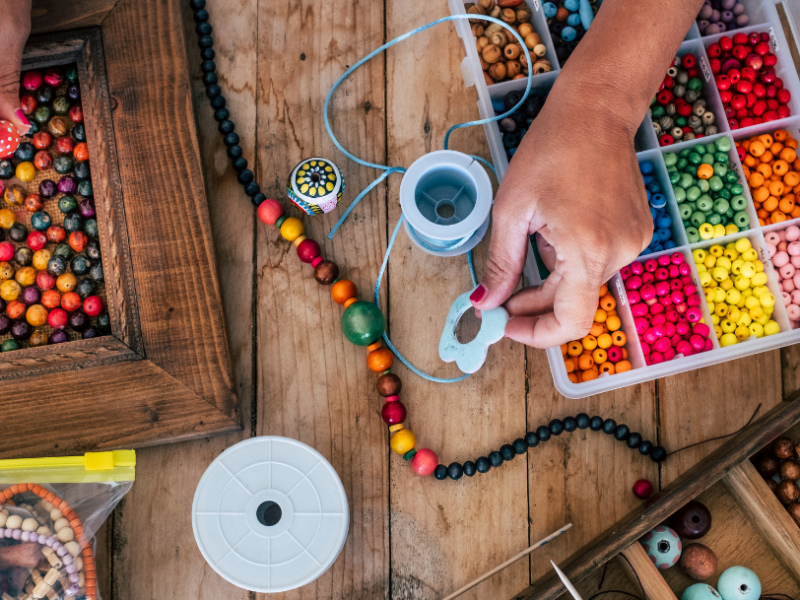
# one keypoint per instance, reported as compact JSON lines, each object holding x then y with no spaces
{"x":362,"y":323}
{"x":710,"y":148}
{"x":714,"y":219}
{"x":670,"y":158}
{"x":705,"y":203}
{"x":732,"y":176}
{"x":722,"y":157}
{"x":686,"y":181}
{"x":723,"y":144}
{"x":9,"y":345}
{"x":682,"y":163}
{"x":680,"y":121}
{"x":280,"y":221}
{"x":729,"y":214}
{"x":721,"y":206}
{"x":698,"y":218}
{"x":685,"y":211}
{"x":692,"y":235}
{"x":410,"y":454}
{"x":720,"y":169}
{"x":684,"y":152}
{"x":724,"y":194}
{"x":658,"y":111}
{"x":708,"y":159}
{"x":737,"y":189}
{"x":675,"y":177}
{"x":703,"y":185}
{"x":693,"y":193}
{"x":742,"y":220}
{"x":694,"y":158}
{"x":695,"y":83}
{"x":738,"y":202}
{"x":715,"y":183}
{"x":680,"y":194}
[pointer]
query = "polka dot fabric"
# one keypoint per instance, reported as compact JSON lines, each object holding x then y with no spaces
{"x":9,"y":138}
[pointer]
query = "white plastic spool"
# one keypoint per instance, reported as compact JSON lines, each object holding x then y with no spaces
{"x":270,"y":514}
{"x":446,"y":196}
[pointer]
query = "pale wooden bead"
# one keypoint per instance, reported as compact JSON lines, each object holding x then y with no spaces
{"x":44,"y":530}
{"x":65,"y":535}
{"x":29,"y":587}
{"x":60,"y":524}
{"x":54,"y":560}
{"x":73,"y":548}
{"x":82,"y":579}
{"x":36,"y":576}
{"x":3,"y":519}
{"x":14,"y":522}
{"x":47,"y":506}
{"x":52,"y":576}
{"x":40,"y":591}
{"x":540,"y":50}
{"x":495,"y":13}
{"x":30,"y":524}
{"x":78,"y":562}
{"x":6,"y":597}
{"x":53,"y":595}
{"x":55,"y":514}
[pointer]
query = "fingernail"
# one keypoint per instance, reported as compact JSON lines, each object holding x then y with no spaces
{"x":478,"y":294}
{"x":22,"y":118}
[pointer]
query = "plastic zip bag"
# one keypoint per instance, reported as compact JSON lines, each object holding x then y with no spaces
{"x":50,"y":509}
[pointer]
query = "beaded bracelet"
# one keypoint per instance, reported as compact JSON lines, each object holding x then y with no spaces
{"x":68,"y":552}
{"x":363,"y":323}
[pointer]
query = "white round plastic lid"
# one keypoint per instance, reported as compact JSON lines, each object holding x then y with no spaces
{"x":270,"y":514}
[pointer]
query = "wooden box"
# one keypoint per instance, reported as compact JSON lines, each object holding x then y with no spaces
{"x":165,"y":372}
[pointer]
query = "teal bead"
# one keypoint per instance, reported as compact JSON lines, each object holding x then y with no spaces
{"x":663,"y":546}
{"x":695,"y":83}
{"x":729,"y":214}
{"x":739,"y":583}
{"x":685,"y":152}
{"x":9,"y":345}
{"x":410,"y":454}
{"x":723,"y":144}
{"x":715,"y":183}
{"x":700,"y":591}
{"x":280,"y":221}
{"x":362,"y":323}
{"x":738,"y":202}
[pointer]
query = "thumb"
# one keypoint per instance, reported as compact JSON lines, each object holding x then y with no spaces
{"x":508,"y":249}
{"x":9,"y":101}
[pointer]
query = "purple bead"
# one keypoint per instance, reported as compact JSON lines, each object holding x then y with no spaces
{"x":727,"y":16}
{"x":67,"y":185}
{"x":60,"y":551}
{"x":59,"y":337}
{"x":17,"y":534}
{"x":705,"y":12}
{"x":68,"y":559}
{"x":74,"y":589}
{"x":738,"y":9}
{"x":47,"y":188}
{"x":728,"y":4}
{"x":30,"y":295}
{"x":50,"y":541}
{"x":57,"y":544}
{"x":34,"y":536}
{"x":74,"y":577}
{"x":5,"y":324}
{"x":742,"y":21}
{"x":8,"y":532}
{"x":71,"y":569}
{"x":26,"y":536}
{"x":86,"y":208}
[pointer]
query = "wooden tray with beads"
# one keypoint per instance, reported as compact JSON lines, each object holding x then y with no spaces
{"x":160,"y":371}
{"x":750,"y":526}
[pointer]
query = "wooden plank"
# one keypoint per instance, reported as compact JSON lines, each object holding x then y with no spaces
{"x":584,"y":477}
{"x":637,"y":565}
{"x":766,"y":513}
{"x":102,"y":557}
{"x":168,"y":475}
{"x":56,"y":15}
{"x":447,"y":533}
{"x":313,"y":385}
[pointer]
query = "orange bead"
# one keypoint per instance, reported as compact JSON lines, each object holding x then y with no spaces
{"x":570,"y":365}
{"x":776,"y":188}
{"x":607,"y":303}
{"x":619,"y":338}
{"x":563,"y":349}
{"x":603,"y":290}
{"x":787,"y":204}
{"x":756,"y":180}
{"x":765,"y":170}
{"x":596,"y":330}
{"x":607,"y":367}
{"x":343,"y":290}
{"x":380,"y":360}
{"x":574,"y":349}
{"x":614,"y":323}
{"x":350,"y":301}
{"x":623,"y":366}
{"x":770,"y":204}
{"x":590,"y":374}
{"x":766,"y":139}
{"x":777,"y":217}
{"x":604,"y":341}
{"x":781,"y":135}
{"x":756,"y":148}
{"x":792,"y":179}
{"x":760,"y":194}
{"x":375,"y":346}
{"x":600,"y":316}
{"x":589,"y":342}
{"x":573,"y":377}
{"x":585,"y":361}
{"x":705,"y":171}
{"x":599,"y":356}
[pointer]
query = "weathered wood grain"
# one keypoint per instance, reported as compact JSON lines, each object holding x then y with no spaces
{"x":637,"y":565}
{"x":56,"y":15}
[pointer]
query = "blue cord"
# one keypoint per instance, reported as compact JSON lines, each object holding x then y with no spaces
{"x":387,"y":170}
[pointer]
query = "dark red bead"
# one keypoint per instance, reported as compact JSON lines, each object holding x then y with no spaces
{"x":761,"y":48}
{"x":393,"y":412}
{"x":725,"y":43}
{"x":692,"y":521}
{"x":308,"y":250}
{"x":326,"y":272}
{"x":688,"y":60}
{"x":665,"y":97}
{"x":783,"y":96}
{"x":740,"y":38}
{"x":714,"y":50}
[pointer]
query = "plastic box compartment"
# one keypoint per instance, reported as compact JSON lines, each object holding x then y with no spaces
{"x":763,"y":17}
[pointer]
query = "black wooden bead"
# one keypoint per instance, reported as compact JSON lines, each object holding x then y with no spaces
{"x":483,"y":465}
{"x":469,"y":468}
{"x":197,"y":4}
{"x":556,"y":427}
{"x":209,"y":78}
{"x":231,"y":139}
{"x":531,"y":439}
{"x":658,"y":454}
{"x":543,"y":433}
{"x":455,"y":470}
{"x":622,"y":432}
{"x":582,"y":420}
{"x":634,"y":440}
{"x":507,"y":452}
{"x":217,"y":102}
{"x":239,"y":164}
{"x":200,"y":16}
{"x":258,"y":199}
{"x":221,"y":114}
{"x":252,"y":188}
{"x":204,"y":29}
{"x":226,"y":126}
{"x":245,"y":176}
{"x":235,"y":151}
{"x":495,"y":458}
{"x":570,"y":424}
{"x":520,"y":447}
{"x":609,"y":426}
{"x":205,"y":41}
{"x":596,"y":423}
{"x":207,"y":66}
{"x":646,"y":447}
{"x":208,"y":54}
{"x":440,"y":472}
{"x":213,"y":90}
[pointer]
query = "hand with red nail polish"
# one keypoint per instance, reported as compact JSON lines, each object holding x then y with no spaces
{"x":574,"y":180}
{"x":15,"y":25}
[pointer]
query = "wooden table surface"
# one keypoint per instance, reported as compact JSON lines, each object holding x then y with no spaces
{"x":409,"y":537}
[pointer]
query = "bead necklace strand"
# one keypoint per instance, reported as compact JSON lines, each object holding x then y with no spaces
{"x":363,"y":323}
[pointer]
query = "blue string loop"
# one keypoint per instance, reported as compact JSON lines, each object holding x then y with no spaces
{"x":387,"y":170}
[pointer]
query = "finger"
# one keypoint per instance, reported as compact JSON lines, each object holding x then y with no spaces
{"x":10,"y":110}
{"x":508,"y":249}
{"x":534,"y":300}
{"x":520,"y":329}
{"x":546,"y":251}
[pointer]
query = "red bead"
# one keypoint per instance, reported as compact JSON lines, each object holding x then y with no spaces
{"x":726,"y":43}
{"x":783,"y":111}
{"x":689,"y":60}
{"x":54,"y":77}
{"x":738,"y":102}
{"x":772,"y":104}
{"x":726,"y":96}
{"x":740,"y":52}
{"x":45,"y":281}
{"x":754,"y":61}
{"x":42,"y":140}
{"x":269,"y":211}
{"x":93,"y":306}
{"x":32,"y":80}
{"x":759,"y":108}
{"x":746,"y":122}
{"x":744,"y":86}
{"x":642,"y":489}
{"x":770,"y":115}
{"x":714,"y":50}
{"x":6,"y":251}
{"x":36,"y":240}
{"x":666,"y":140}
{"x":668,"y":82}
{"x":749,"y":73}
{"x":733,"y":123}
{"x":9,"y":138}
{"x":28,"y":104}
{"x":393,"y":412}
{"x":715,"y":65}
{"x":65,"y":145}
{"x":664,"y":97}
{"x":734,"y":75}
{"x":684,"y":109}
{"x":77,"y":241}
{"x":308,"y":250}
{"x":723,"y":83}
{"x":424,"y":462}
{"x":740,"y":38}
{"x":759,"y":90}
{"x":761,"y":48}
{"x":57,"y":319}
{"x":783,"y":96}
{"x":76,"y":114}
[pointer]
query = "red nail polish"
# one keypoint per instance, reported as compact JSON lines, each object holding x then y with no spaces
{"x":22,"y":118}
{"x":478,"y":294}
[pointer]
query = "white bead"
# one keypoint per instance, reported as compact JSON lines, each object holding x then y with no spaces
{"x":54,"y":560}
{"x":52,"y":576}
{"x":55,"y":514}
{"x":40,"y":591}
{"x":73,"y":548}
{"x":36,"y":576}
{"x":14,"y":522}
{"x":78,"y":562}
{"x":60,"y":524}
{"x":30,"y":524}
{"x":81,"y":579}
{"x":47,"y":506}
{"x":44,"y":531}
{"x":65,"y":535}
{"x":3,"y":519}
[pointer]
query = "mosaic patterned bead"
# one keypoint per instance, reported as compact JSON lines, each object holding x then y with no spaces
{"x":315,"y":186}
{"x":663,"y":546}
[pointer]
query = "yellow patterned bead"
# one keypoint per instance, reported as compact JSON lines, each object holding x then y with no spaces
{"x":403,"y":441}
{"x":299,"y":240}
{"x":291,"y":229}
{"x":396,"y":427}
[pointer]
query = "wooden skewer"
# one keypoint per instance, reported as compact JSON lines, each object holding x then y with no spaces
{"x":510,"y":561}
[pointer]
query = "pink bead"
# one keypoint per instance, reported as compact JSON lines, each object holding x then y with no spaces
{"x":657,"y":309}
{"x":701,"y":329}
{"x":639,"y":310}
{"x":32,"y":80}
{"x":650,"y":336}
{"x":634,"y":282}
{"x":795,"y":260}
{"x":693,"y":300}
{"x":307,"y":250}
{"x":662,"y":345}
{"x":689,"y":290}
{"x":424,"y":462}
{"x":645,"y":348}
{"x":677,"y":258}
{"x":316,"y":261}
{"x":782,"y":246}
{"x":684,"y":348}
{"x":676,"y":284}
{"x":641,"y":325}
{"x":782,"y":235}
{"x":663,"y":260}
{"x":787,"y":298}
{"x":672,"y":315}
{"x":658,"y":320}
{"x":656,"y":357}
{"x":648,"y":292}
{"x":677,"y":297}
{"x":647,"y":278}
{"x":662,"y":288}
{"x":269,"y":211}
{"x":793,"y":249}
{"x":787,"y":271}
{"x":796,"y":297}
{"x":709,"y":345}
{"x":772,"y":237}
{"x":682,"y":328}
{"x":669,"y":354}
{"x":796,"y":280}
{"x":625,"y":272}
{"x":792,"y":233}
{"x":666,"y":300}
{"x":686,"y":269}
{"x":674,"y":271}
{"x":615,"y":354}
{"x":681,"y":308}
{"x":661,"y":274}
{"x":687,"y":279}
{"x":634,"y":297}
{"x":675,"y":340}
{"x":670,"y":330}
{"x":788,"y":285}
{"x":697,"y":342}
{"x":637,"y":268}
{"x":694,"y":314}
{"x":771,"y":249}
{"x":780,"y":259}
{"x":650,"y":265}
{"x":659,"y":330}
{"x":793,"y":311}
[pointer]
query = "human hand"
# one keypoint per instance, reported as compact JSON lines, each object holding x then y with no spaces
{"x":575,"y":181}
{"x":15,"y":25}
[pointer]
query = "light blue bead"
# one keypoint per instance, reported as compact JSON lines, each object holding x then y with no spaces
{"x":568,"y":34}
{"x":498,"y":106}
{"x":572,"y":5}
{"x":587,"y":14}
{"x":550,"y":10}
{"x":574,"y":19}
{"x":700,"y":591}
{"x":646,"y":167}
{"x":663,"y":546}
{"x":739,"y":583}
{"x":663,"y":221}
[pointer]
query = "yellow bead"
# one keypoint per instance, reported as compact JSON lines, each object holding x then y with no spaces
{"x":731,"y":229}
{"x":726,"y":285}
{"x":706,"y":231}
{"x":756,"y":313}
{"x":752,"y":302}
{"x":759,"y":290}
{"x":742,"y":332}
{"x":759,"y":279}
{"x":10,"y":290}
{"x":736,"y":266}
{"x":26,"y":276}
{"x":716,"y":250}
{"x":26,"y":171}
{"x":727,"y":326}
{"x":721,"y":309}
{"x":767,"y":300}
{"x":719,"y":230}
{"x":742,"y":245}
{"x":750,"y":254}
{"x":748,"y":270}
{"x":291,"y":229}
{"x":701,"y":268}
{"x":719,"y":274}
{"x":715,"y":319}
{"x":699,"y":255}
{"x":403,"y":441}
{"x":710,"y":261}
{"x":705,"y":279}
{"x":396,"y":427}
{"x":298,"y":240}
{"x":723,"y":262}
{"x":731,"y":254}
{"x":771,"y":328}
{"x":40,"y":259}
{"x":759,"y":266}
{"x":744,"y":320}
{"x":733,"y":297}
{"x":763,"y":320}
{"x":728,"y":339}
{"x":757,"y":330}
{"x":7,"y":218}
{"x":747,"y":292}
{"x":718,"y":331}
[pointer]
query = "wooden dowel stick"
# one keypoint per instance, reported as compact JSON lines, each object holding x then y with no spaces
{"x":509,"y":562}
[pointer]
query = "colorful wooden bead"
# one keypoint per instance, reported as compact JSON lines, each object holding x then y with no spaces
{"x":269,"y":211}
{"x":362,"y":323}
{"x":700,"y":591}
{"x":315,"y":186}
{"x":291,"y":228}
{"x":9,"y":138}
{"x":642,"y":489}
{"x":402,"y":441}
{"x":308,"y":250}
{"x":663,"y":546}
{"x":739,"y":583}
{"x":692,"y":521}
{"x":380,"y":360}
{"x":326,"y":272}
{"x":343,"y":290}
{"x":424,"y":462}
{"x":393,"y":412}
{"x":698,"y":562}
{"x":389,"y":384}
